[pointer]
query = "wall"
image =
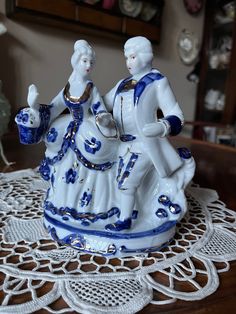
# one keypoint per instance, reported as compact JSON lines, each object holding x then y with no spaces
{"x":41,"y":55}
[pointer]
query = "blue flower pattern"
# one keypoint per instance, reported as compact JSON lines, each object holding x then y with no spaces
{"x":22,"y":117}
{"x":32,"y":135}
{"x":86,"y":198}
{"x":52,"y":135}
{"x":71,"y":176}
{"x":92,"y":146}
{"x":44,"y":169}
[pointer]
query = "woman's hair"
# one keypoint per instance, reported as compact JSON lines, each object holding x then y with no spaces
{"x":81,"y":47}
{"x":140,"y":45}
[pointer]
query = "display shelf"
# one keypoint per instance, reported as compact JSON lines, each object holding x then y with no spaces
{"x":222,"y":76}
{"x":81,"y":17}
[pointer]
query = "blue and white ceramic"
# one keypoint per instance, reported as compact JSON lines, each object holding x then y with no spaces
{"x":116,"y":183}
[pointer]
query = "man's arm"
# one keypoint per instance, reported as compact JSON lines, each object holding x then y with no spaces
{"x":173,"y":115}
{"x":173,"y":119}
{"x":110,"y":97}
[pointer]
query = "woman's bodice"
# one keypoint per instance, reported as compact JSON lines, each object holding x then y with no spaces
{"x":78,"y":106}
{"x":79,"y":133}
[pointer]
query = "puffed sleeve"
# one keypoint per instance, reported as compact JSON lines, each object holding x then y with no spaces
{"x":57,"y":106}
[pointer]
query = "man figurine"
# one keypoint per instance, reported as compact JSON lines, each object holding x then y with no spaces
{"x":143,"y":141}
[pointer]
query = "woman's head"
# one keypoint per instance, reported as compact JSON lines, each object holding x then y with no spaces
{"x":83,"y":58}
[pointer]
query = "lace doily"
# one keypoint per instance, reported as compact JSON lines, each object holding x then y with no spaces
{"x":38,"y":274}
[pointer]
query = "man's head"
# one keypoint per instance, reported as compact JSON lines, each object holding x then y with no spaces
{"x":139,"y":55}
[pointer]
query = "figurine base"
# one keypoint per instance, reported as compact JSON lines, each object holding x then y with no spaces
{"x":110,"y":243}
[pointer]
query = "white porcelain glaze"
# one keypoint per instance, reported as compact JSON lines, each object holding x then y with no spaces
{"x":116,"y":183}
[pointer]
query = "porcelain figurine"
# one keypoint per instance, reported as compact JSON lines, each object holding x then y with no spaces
{"x":116,"y":185}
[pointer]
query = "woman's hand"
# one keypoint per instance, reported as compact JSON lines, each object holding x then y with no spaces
{"x":32,"y":97}
{"x":107,"y":125}
{"x":105,"y":119}
{"x":29,"y":116}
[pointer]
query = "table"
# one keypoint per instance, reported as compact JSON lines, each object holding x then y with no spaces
{"x":216,"y":169}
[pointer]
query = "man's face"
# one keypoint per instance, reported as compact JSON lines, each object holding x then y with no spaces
{"x":134,"y":62}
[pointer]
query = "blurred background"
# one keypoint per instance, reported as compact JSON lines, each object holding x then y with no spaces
{"x":193,"y":40}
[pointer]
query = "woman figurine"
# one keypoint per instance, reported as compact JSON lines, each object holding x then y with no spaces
{"x":80,"y":145}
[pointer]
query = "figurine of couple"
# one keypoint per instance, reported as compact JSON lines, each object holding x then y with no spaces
{"x":110,"y":166}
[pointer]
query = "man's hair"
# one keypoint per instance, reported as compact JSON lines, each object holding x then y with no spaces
{"x":140,"y":45}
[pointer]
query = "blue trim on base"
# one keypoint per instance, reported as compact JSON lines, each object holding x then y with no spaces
{"x":119,"y":225}
{"x":113,"y":235}
{"x":79,"y":242}
{"x":124,"y":249}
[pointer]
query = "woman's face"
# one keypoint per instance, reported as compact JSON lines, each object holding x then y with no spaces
{"x":85,"y":65}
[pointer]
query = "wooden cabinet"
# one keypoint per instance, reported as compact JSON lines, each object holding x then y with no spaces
{"x":216,"y":97}
{"x":86,"y":19}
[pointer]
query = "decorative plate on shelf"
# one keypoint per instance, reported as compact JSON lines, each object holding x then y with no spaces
{"x":193,"y":6}
{"x":130,"y":8}
{"x":148,"y":12}
{"x":188,"y":47}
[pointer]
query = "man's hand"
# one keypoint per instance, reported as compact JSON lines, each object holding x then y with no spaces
{"x":154,"y":129}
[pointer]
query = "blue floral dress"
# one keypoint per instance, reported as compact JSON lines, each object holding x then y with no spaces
{"x":80,"y":162}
